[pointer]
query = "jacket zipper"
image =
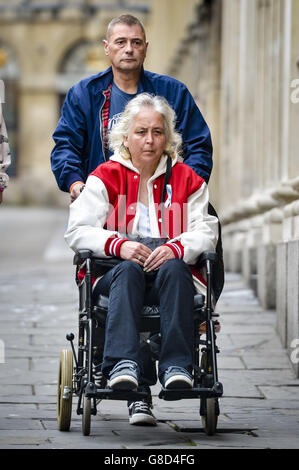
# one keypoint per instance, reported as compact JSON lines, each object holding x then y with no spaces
{"x":101,"y":130}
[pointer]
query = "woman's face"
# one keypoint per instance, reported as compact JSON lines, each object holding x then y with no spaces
{"x":147,"y":139}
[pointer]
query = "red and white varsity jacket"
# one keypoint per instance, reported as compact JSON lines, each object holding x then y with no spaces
{"x":108,"y":209}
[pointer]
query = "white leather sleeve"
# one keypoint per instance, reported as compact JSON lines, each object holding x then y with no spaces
{"x":202,"y":229}
{"x":88,"y":214}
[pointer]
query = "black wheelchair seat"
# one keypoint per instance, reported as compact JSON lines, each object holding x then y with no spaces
{"x":150,"y":314}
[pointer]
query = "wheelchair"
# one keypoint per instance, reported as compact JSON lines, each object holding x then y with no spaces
{"x":77,"y":376}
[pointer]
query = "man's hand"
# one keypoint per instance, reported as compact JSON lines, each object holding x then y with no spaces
{"x":158,"y":257}
{"x":76,"y":190}
{"x":135,"y":251}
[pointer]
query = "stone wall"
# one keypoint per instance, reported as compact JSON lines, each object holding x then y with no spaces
{"x":259,"y":152}
{"x":242,"y":62}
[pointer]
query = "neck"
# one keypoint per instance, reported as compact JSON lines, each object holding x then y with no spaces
{"x":126,"y":81}
{"x":146,"y":170}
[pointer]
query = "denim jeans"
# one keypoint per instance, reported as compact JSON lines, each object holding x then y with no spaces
{"x":129,"y":288}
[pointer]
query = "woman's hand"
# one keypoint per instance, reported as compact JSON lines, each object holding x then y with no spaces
{"x":135,"y":251}
{"x":158,"y":257}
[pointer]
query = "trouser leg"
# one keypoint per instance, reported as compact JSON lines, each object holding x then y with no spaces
{"x":175,"y":291}
{"x":125,"y":285}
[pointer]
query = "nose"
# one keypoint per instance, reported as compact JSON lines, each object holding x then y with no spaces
{"x":149,"y":137}
{"x":129,"y":47}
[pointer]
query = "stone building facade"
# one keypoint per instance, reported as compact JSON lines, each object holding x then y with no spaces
{"x":47,"y":46}
{"x":240,"y":60}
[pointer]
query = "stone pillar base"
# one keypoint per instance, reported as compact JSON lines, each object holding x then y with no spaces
{"x":266,"y":275}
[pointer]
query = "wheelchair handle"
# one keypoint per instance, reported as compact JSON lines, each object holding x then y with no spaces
{"x":82,"y":255}
{"x":207,"y":256}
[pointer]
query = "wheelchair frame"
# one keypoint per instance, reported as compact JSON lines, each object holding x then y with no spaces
{"x":76,"y":370}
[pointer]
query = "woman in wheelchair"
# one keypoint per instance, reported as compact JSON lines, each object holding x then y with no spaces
{"x":121,"y":214}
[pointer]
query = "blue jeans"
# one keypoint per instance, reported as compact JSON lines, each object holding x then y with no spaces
{"x":129,"y":288}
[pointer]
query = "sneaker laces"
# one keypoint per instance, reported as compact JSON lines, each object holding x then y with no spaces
{"x":97,"y":375}
{"x":140,"y":406}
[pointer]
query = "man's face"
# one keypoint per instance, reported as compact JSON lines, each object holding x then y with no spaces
{"x":126,"y":47}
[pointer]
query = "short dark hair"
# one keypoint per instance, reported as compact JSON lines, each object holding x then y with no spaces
{"x":129,"y":20}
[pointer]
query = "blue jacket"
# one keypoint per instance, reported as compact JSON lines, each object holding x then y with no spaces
{"x":78,"y":146}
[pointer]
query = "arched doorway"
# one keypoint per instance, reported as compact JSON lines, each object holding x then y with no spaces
{"x":9,"y":76}
{"x":82,"y":60}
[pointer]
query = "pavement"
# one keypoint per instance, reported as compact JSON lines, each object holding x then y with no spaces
{"x":39,"y":305}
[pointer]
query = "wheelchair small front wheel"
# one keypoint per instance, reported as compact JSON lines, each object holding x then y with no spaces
{"x":86,"y":416}
{"x":64,"y":390}
{"x":209,"y":418}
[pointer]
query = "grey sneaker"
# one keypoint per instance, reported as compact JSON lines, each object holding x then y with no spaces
{"x":176,"y":378}
{"x":124,"y":376}
{"x":140,"y":413}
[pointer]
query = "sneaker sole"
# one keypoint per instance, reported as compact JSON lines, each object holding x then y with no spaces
{"x":143,"y":419}
{"x":123,"y":382}
{"x":178,"y":381}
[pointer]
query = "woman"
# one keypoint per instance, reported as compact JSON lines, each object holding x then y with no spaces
{"x":122,"y":201}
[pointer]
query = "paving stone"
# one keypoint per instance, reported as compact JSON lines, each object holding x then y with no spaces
{"x":18,"y":424}
{"x":230,"y":362}
{"x":281,"y":392}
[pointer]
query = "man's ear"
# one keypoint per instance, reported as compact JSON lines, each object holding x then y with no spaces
{"x":106,"y":47}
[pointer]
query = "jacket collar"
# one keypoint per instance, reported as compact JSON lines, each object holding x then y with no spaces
{"x":102,"y":80}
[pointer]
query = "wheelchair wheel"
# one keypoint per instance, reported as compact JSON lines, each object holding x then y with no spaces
{"x":210,"y":418}
{"x":209,"y":409}
{"x":64,"y":390}
{"x":86,"y":416}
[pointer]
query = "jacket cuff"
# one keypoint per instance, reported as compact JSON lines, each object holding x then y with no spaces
{"x":112,"y":246}
{"x":71,"y":179}
{"x":72,"y":185}
{"x":177,"y":248}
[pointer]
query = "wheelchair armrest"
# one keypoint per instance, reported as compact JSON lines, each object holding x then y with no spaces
{"x":207,"y":256}
{"x":107,"y":263}
{"x":81,"y":255}
{"x":199,"y":300}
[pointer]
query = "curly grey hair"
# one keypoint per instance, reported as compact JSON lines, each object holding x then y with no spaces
{"x":159,"y":104}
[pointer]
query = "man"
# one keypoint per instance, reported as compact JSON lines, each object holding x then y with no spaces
{"x":94,"y":104}
{"x":80,"y":136}
{"x":4,"y":155}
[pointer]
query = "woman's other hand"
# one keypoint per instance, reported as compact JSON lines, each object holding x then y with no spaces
{"x":135,"y":251}
{"x":158,"y":257}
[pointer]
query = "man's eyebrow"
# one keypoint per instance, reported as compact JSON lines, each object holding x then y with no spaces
{"x":121,"y":38}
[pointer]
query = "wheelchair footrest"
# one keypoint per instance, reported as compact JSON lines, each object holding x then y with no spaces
{"x":198,"y":392}
{"x":109,"y":394}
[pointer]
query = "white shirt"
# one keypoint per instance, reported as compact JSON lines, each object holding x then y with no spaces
{"x":144,"y":220}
